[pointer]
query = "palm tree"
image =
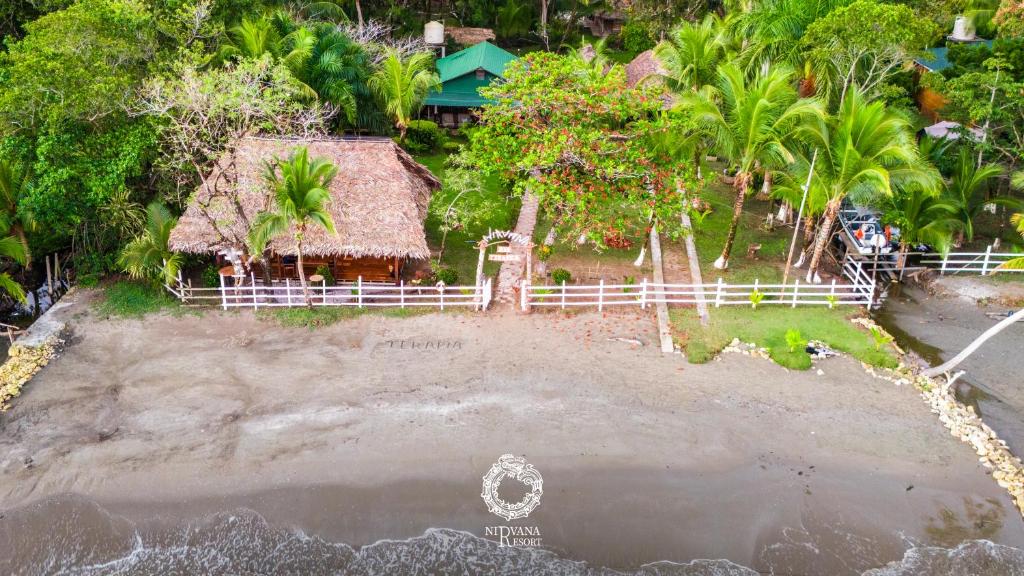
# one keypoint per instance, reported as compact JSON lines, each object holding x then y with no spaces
{"x":13,"y":215}
{"x":751,"y":121}
{"x":864,"y":152}
{"x":772,"y":29}
{"x":692,"y":51}
{"x":148,"y":255}
{"x":402,"y":85}
{"x":967,"y":190}
{"x":300,"y":201}
{"x":11,"y":247}
{"x":923,"y":217}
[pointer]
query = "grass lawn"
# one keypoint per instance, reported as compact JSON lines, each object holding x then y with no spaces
{"x":128,"y":299}
{"x":326,"y":315}
{"x":767,"y":328}
{"x":460,"y":248}
{"x":709,"y":235}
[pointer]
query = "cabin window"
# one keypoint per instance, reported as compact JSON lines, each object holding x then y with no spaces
{"x":479,"y":73}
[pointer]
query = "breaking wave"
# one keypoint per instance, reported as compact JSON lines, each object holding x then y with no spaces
{"x":82,"y":539}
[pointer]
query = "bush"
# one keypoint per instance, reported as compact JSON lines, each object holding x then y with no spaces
{"x":211,"y":276}
{"x":325,"y":271}
{"x":133,"y":299}
{"x":561,"y":276}
{"x":424,"y":136}
{"x":446,"y":274}
{"x":451,"y":146}
{"x":635,"y":38}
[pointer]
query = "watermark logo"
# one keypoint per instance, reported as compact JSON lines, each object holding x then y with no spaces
{"x":516,"y":468}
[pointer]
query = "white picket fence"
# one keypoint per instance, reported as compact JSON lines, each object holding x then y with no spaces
{"x":359,"y":294}
{"x":983,"y":263}
{"x":719,"y":294}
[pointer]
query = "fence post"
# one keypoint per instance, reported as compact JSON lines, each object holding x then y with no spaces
{"x":944,"y":259}
{"x":563,"y":294}
{"x":255,"y":302}
{"x":796,"y":290}
{"x":223,"y":293}
{"x":832,"y":292}
{"x":524,"y":287}
{"x":643,"y":295}
{"x":988,"y":256}
{"x":600,"y":295}
{"x":288,"y":291}
{"x":401,"y":293}
{"x":718,"y":294}
{"x":359,"y":290}
{"x":324,"y":290}
{"x":757,"y":282}
{"x":440,"y":288}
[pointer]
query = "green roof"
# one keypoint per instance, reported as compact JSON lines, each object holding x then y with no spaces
{"x":483,"y":55}
{"x":460,"y":85}
{"x":938,"y":58}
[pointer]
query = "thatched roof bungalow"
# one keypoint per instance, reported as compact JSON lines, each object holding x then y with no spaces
{"x":379,"y":203}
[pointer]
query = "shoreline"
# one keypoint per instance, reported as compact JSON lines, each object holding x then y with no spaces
{"x":645,"y":458}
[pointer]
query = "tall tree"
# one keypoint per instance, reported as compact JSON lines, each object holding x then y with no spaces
{"x":300,"y":197}
{"x":402,"y":85}
{"x":864,"y":152}
{"x":751,"y":121}
{"x":861,"y":45}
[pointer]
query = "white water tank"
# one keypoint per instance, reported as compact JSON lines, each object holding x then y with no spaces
{"x":963,"y":29}
{"x":433,"y":33}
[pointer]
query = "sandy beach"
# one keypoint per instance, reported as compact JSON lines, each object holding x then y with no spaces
{"x":381,"y":428}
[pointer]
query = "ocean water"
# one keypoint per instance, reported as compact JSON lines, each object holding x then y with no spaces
{"x":76,"y":537}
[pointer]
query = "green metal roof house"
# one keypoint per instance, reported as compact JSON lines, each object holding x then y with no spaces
{"x":464,"y":72}
{"x":938,"y":58}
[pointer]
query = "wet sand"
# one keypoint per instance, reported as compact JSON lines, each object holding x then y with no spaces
{"x":938,"y":326}
{"x":381,"y":428}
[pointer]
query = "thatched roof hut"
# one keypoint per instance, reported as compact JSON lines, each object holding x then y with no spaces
{"x":379,"y":199}
{"x":469,"y":36}
{"x":642,"y":68}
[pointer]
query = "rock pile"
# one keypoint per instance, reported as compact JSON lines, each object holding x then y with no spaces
{"x":22,"y":364}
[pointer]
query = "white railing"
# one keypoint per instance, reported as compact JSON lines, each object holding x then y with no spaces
{"x":983,"y":263}
{"x":718,"y":294}
{"x":358,"y":294}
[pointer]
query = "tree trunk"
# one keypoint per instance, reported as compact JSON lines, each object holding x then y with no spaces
{"x":785,"y":213}
{"x":954,"y":361}
{"x":359,"y":15}
{"x":544,"y":24}
{"x":742,"y":183}
{"x":301,"y":270}
{"x":809,"y":226}
{"x":549,"y":241}
{"x":831,"y":211}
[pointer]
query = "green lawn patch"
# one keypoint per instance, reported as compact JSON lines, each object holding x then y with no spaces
{"x":710,"y":233}
{"x":321,"y":316}
{"x":129,"y":299}
{"x":460,"y":251}
{"x":767,"y":327}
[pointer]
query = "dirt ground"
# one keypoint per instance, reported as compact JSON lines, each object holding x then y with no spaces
{"x":382,"y":428}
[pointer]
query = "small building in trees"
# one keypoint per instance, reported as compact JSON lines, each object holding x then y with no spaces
{"x":378,"y":204}
{"x":462,"y":74}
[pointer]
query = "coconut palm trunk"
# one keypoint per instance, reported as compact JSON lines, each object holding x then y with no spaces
{"x":19,"y":232}
{"x":808,"y":241}
{"x":827,"y":220}
{"x":301,"y":268}
{"x":742,"y":184}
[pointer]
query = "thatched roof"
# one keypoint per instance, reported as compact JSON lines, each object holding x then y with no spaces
{"x":644,"y":66}
{"x":469,"y":36}
{"x":379,"y":199}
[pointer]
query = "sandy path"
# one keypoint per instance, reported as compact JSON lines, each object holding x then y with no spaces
{"x":380,"y":427}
